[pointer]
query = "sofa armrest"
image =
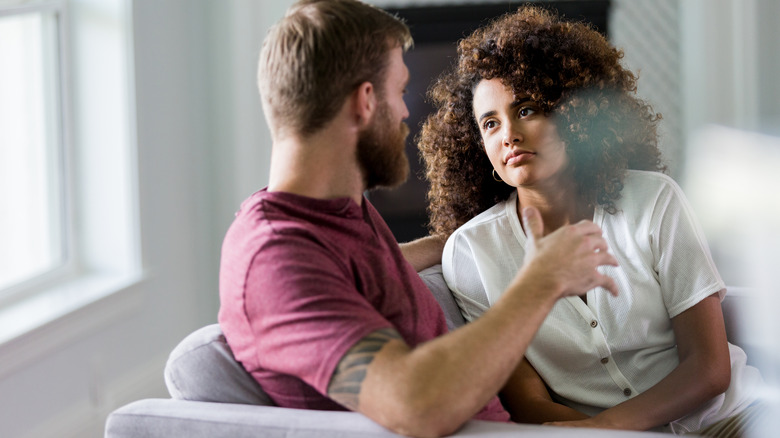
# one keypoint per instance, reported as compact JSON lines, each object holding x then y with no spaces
{"x":167,"y":418}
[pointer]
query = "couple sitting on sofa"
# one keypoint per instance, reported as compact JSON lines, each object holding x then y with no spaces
{"x":576,"y":273}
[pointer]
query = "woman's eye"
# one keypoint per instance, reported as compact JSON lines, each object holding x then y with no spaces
{"x":526,"y":111}
{"x":489,"y":124}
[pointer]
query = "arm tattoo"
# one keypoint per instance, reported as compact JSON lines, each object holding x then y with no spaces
{"x":344,"y":387}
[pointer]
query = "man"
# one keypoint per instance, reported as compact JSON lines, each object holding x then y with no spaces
{"x":318,"y":301}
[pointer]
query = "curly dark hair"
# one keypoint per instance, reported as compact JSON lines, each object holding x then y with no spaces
{"x":574,"y":75}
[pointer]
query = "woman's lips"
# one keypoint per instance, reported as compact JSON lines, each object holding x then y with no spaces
{"x":518,"y":157}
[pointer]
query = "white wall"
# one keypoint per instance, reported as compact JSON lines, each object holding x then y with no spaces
{"x":649,"y":35}
{"x":731,"y":62}
{"x":240,"y":143}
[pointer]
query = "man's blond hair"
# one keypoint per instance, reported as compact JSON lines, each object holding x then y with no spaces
{"x":318,"y":54}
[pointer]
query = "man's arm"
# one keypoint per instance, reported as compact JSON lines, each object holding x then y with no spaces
{"x":346,"y":381}
{"x":423,"y":252}
{"x":433,"y":389}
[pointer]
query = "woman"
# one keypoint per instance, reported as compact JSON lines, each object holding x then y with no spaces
{"x":539,"y":112}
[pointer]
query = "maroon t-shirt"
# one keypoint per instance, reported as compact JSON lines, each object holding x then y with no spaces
{"x":302,"y":280}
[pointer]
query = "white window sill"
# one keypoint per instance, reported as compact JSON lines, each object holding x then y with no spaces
{"x":33,"y":327}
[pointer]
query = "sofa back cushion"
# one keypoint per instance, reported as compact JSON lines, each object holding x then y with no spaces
{"x":433,"y":278}
{"x":202,"y":366}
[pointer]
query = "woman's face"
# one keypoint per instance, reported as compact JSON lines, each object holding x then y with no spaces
{"x":521,"y":142}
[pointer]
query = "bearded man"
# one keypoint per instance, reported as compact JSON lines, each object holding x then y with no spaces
{"x":318,"y":301}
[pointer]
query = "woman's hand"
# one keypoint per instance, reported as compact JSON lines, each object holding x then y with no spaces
{"x":592,"y":422}
{"x":526,"y":398}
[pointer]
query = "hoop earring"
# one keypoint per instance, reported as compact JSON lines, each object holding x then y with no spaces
{"x":496,"y":177}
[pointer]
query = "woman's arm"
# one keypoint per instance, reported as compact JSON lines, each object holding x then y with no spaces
{"x":704,"y":372}
{"x":526,"y":398}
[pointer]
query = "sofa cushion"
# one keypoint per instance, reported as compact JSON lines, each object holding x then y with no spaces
{"x":433,"y":278}
{"x":202,"y":368}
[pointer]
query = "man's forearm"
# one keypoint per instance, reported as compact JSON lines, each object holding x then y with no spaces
{"x":423,"y":252}
{"x":440,"y":382}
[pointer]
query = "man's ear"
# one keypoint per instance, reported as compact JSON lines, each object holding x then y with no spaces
{"x":364,"y":101}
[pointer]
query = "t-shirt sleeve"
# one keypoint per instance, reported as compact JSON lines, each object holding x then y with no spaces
{"x":686,"y":271}
{"x":304,"y":309}
{"x":460,"y":271}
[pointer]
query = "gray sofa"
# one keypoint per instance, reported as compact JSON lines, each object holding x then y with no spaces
{"x":212,"y":396}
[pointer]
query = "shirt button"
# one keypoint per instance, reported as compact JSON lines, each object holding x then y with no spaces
{"x":604,"y":360}
{"x":594,"y":323}
{"x":627,"y":392}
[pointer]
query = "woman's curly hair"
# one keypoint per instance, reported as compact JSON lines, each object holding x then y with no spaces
{"x":574,"y":75}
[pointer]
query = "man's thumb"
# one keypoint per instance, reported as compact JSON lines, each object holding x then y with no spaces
{"x":532,"y":222}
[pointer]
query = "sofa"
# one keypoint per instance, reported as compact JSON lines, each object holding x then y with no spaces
{"x":213,"y":396}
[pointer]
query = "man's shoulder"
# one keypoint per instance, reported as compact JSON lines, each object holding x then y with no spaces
{"x":266,"y":229}
{"x":275,"y":214}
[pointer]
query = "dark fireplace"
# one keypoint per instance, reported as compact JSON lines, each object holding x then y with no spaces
{"x":436,"y":30}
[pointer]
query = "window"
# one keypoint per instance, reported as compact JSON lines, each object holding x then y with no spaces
{"x":69,"y":234}
{"x":31,"y":143}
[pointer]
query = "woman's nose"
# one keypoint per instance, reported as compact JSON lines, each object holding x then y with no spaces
{"x":511,"y":135}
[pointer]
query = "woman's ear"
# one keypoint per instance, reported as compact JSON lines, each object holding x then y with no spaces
{"x":364,"y":102}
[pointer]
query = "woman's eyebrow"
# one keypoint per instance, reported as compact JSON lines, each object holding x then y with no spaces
{"x":520,"y":101}
{"x":487,"y":114}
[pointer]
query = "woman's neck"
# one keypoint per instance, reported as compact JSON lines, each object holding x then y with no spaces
{"x":558,"y":204}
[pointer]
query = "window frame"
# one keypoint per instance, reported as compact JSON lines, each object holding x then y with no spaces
{"x":61,"y":148}
{"x":102,"y":274}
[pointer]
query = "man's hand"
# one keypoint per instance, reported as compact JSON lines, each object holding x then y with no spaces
{"x":567,"y":259}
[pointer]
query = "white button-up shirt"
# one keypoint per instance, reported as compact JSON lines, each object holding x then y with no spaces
{"x":597,"y":355}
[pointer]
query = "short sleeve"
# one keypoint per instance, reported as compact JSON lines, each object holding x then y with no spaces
{"x":482,"y":256}
{"x":304,"y":309}
{"x":682,"y":258}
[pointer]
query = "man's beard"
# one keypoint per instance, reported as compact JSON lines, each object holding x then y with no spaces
{"x":381,"y":151}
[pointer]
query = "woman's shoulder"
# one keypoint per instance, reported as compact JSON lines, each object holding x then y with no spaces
{"x":647,"y":177}
{"x":501,"y":212}
{"x":646,"y":186}
{"x":490,"y":229}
